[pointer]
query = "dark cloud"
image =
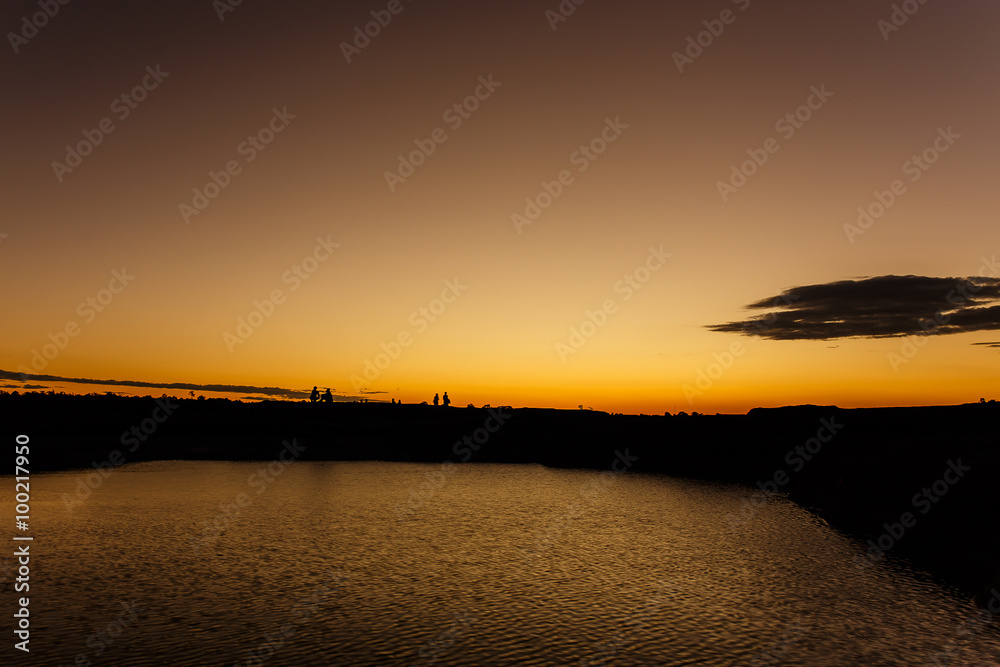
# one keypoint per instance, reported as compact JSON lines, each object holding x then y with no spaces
{"x":989,"y":344}
{"x":880,"y":307}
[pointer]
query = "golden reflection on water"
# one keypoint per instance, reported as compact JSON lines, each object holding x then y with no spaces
{"x":405,"y":564}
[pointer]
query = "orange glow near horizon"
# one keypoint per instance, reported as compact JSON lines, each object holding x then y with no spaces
{"x":433,"y":286}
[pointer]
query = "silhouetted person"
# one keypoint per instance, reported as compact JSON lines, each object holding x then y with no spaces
{"x":314,"y":396}
{"x":446,"y":400}
{"x":328,"y":397}
{"x":436,"y":399}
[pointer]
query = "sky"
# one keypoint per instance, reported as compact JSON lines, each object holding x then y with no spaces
{"x":520,"y":203}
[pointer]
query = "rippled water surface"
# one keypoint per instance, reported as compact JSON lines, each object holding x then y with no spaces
{"x":404,"y":564}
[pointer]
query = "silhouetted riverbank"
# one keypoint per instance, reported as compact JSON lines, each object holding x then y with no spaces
{"x":917,"y":482}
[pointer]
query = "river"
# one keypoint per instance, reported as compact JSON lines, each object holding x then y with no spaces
{"x":371,"y":563}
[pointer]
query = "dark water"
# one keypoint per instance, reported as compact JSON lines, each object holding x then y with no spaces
{"x":411,"y":564}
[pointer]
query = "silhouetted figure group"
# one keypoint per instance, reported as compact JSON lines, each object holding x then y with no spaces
{"x":325,"y":398}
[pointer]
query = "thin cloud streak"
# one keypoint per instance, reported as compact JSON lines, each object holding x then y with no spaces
{"x":291,"y":394}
